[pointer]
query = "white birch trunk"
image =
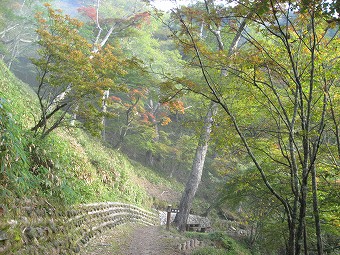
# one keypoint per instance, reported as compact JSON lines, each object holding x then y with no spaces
{"x":74,"y":116}
{"x":104,"y":111}
{"x":58,"y":99}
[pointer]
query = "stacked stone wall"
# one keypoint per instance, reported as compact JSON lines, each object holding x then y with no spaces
{"x":44,"y":230}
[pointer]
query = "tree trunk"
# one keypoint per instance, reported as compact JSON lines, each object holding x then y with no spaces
{"x":198,"y":163}
{"x":302,"y":217}
{"x":74,"y":116}
{"x":196,"y":171}
{"x":316,"y":213}
{"x":106,"y":94}
{"x":292,"y":240}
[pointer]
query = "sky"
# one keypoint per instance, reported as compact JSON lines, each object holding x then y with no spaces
{"x":166,"y":5}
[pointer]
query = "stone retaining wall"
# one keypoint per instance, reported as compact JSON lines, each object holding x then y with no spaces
{"x":41,"y":230}
{"x":192,"y":219}
{"x":189,"y":245}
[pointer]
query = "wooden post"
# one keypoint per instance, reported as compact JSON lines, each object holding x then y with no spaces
{"x":168,"y":216}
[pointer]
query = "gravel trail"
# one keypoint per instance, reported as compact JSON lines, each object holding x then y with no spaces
{"x":132,"y":239}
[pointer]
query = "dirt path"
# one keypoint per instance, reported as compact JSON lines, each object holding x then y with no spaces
{"x":152,"y":241}
{"x":134,"y":240}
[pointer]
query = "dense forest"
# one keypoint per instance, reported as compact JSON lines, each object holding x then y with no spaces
{"x":233,"y":103}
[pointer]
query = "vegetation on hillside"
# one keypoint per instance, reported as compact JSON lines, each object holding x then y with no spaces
{"x":68,"y":167}
{"x":272,"y":148}
{"x":218,"y":243}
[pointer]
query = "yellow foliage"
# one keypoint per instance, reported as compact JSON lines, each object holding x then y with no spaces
{"x":165,"y":121}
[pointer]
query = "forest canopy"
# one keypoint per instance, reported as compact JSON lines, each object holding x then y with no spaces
{"x":243,"y":94}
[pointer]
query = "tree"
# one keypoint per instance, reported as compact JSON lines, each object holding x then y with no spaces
{"x":71,"y":74}
{"x":194,"y":178}
{"x":109,"y":25}
{"x":129,"y":115}
{"x":280,"y":73}
{"x":137,"y":118}
{"x":193,"y":22}
{"x":300,"y":104}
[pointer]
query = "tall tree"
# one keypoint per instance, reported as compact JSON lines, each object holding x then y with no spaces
{"x":195,"y":176}
{"x":135,"y":114}
{"x":111,"y":24}
{"x":70,"y":73}
{"x":213,"y":24}
{"x":281,"y":69}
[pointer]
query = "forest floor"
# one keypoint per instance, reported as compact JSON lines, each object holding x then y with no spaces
{"x":132,"y":239}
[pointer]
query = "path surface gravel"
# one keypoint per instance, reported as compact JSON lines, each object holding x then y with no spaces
{"x":134,"y":240}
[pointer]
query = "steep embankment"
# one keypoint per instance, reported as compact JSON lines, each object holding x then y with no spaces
{"x":67,"y":168}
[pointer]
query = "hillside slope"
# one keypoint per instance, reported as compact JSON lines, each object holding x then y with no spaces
{"x":69,"y":166}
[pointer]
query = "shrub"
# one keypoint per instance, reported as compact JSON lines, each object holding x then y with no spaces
{"x":209,"y":251}
{"x":218,"y":243}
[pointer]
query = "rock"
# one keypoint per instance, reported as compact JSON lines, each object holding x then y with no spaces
{"x":40,"y":232}
{"x":52,"y":227}
{"x":196,"y":243}
{"x":3,"y":236}
{"x":56,"y":243}
{"x":76,"y":249}
{"x":28,"y":210}
{"x":30,"y":233}
{"x":4,"y":248}
{"x":12,"y":222}
{"x":24,"y":220}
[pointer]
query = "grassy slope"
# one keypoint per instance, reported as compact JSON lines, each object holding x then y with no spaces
{"x":69,"y":166}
